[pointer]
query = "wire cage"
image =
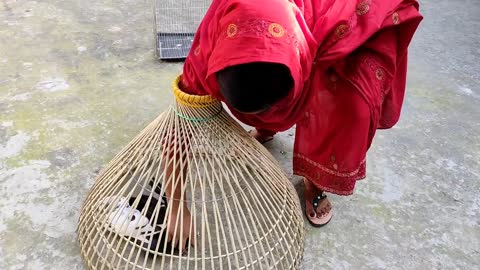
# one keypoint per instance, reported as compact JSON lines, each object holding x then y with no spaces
{"x":244,"y":212}
{"x":175,"y":23}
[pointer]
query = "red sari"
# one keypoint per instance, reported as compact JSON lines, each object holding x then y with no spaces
{"x":349,"y":63}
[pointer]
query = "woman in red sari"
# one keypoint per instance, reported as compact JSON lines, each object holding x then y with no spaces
{"x":334,"y":68}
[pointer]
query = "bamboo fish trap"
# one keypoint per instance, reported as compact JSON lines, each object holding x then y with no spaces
{"x":245,"y":214}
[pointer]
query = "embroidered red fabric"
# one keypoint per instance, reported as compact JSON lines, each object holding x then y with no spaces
{"x":348,"y":60}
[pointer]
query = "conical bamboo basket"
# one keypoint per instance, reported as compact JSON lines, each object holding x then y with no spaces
{"x":245,"y":214}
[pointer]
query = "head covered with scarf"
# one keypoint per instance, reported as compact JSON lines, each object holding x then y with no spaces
{"x":239,"y":32}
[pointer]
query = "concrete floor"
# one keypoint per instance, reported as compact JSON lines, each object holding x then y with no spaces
{"x":78,"y":80}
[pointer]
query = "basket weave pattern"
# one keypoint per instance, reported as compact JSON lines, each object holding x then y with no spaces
{"x":245,"y":214}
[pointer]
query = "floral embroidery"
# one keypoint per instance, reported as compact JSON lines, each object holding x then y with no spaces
{"x":327,"y":179}
{"x":276,"y":30}
{"x":232,"y":30}
{"x":261,"y":28}
{"x":380,"y":74}
{"x":363,"y":8}
{"x":396,"y":18}
{"x":197,"y":50}
{"x":342,"y":30}
{"x":353,"y":173}
{"x":346,"y":27}
{"x":343,"y":188}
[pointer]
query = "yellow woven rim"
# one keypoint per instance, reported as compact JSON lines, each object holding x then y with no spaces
{"x":191,"y":100}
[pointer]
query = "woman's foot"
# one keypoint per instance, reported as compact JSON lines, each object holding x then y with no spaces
{"x":317,"y":206}
{"x":259,"y":137}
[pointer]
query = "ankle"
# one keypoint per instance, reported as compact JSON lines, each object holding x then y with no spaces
{"x":311,"y":187}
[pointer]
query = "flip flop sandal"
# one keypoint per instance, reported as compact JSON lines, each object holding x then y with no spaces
{"x":265,"y":141}
{"x":325,"y":215}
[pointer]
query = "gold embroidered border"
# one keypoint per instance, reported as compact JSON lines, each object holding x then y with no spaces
{"x":330,"y":171}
